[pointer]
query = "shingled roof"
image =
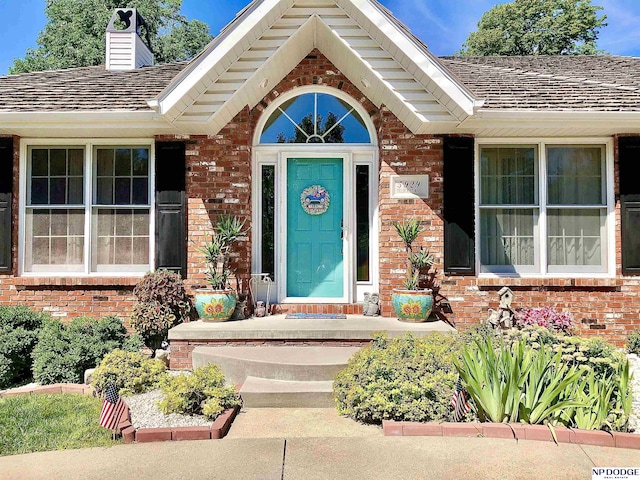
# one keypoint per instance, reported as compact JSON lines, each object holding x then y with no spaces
{"x":569,"y":83}
{"x":85,"y":89}
{"x":585,"y":83}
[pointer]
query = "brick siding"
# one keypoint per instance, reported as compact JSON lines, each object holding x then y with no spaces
{"x":219,"y":181}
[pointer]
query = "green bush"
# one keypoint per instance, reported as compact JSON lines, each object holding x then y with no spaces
{"x":201,"y":393}
{"x":162,"y":303}
{"x":526,"y":381}
{"x":19,"y":328}
{"x":633,"y":342}
{"x":129,"y":372}
{"x":592,"y":353}
{"x":65,"y":350}
{"x":405,"y":378}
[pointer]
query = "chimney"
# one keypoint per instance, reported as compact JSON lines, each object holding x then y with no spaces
{"x":126,"y":50}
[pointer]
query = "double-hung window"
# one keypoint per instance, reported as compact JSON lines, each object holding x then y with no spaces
{"x":543,"y":209}
{"x":87,"y":209}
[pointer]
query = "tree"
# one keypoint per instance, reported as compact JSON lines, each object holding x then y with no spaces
{"x":330,"y":132}
{"x":75,"y":33}
{"x":537,"y":27}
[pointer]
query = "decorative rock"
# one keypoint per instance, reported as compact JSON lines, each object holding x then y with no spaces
{"x":88,"y":375}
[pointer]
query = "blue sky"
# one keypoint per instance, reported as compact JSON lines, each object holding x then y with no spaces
{"x":442,"y":24}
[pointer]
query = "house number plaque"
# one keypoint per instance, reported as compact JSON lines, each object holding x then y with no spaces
{"x":410,"y":186}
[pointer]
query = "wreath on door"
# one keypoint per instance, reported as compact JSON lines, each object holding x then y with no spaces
{"x":315,"y":200}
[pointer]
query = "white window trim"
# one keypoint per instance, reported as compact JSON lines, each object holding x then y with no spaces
{"x":89,"y":145}
{"x":296,"y":92}
{"x":540,"y":230}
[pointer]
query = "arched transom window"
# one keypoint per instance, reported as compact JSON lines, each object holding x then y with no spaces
{"x":315,"y":118}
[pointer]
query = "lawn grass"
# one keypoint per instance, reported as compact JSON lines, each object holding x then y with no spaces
{"x":36,"y":423}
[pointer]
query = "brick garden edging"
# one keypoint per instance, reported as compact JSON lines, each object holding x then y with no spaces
{"x":216,"y":430}
{"x":517,"y":431}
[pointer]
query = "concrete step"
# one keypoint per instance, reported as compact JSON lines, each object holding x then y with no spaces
{"x":291,"y":363}
{"x":264,"y":392}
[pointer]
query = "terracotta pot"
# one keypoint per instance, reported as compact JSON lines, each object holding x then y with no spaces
{"x":412,"y":305}
{"x":216,"y":305}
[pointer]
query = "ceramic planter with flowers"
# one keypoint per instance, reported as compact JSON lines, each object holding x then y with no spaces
{"x":218,"y":303}
{"x":411,"y":303}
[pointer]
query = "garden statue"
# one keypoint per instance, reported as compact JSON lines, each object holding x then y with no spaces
{"x":504,"y":316}
{"x":239,"y":311}
{"x":371,"y":305}
{"x":260,"y":310}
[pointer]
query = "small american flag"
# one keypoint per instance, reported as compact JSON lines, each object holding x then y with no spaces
{"x":112,"y":409}
{"x":459,"y":402}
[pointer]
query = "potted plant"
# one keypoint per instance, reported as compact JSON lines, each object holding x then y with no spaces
{"x":412,"y":303}
{"x":218,"y":305}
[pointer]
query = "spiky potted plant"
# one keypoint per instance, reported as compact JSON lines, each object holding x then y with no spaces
{"x":412,"y":303}
{"x":218,"y":304}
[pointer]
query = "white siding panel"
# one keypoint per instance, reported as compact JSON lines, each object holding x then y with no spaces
{"x":202,"y":108}
{"x":367,"y":42}
{"x":374,"y":53}
{"x":320,"y":11}
{"x":427,"y":108}
{"x":144,"y":57}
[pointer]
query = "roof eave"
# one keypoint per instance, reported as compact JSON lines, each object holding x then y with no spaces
{"x":548,"y":116}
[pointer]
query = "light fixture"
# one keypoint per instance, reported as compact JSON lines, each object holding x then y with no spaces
{"x":365,"y":82}
{"x":264,"y":83}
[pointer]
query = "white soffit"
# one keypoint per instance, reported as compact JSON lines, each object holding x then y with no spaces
{"x":270,"y":37}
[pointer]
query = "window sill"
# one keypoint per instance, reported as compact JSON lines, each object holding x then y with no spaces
{"x":76,"y":281}
{"x":548,"y":282}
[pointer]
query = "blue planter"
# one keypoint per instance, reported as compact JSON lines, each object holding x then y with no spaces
{"x":412,"y":305}
{"x":216,"y":306}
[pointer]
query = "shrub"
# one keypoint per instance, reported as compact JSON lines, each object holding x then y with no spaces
{"x":593,"y":353}
{"x":19,"y":328}
{"x":65,"y":350}
{"x":546,"y":317}
{"x":531,"y":382}
{"x":162,"y":303}
{"x":201,"y":393}
{"x":633,"y":342}
{"x":405,"y":378}
{"x":129,"y":372}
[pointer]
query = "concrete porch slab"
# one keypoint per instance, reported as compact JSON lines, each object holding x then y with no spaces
{"x":277,"y":327}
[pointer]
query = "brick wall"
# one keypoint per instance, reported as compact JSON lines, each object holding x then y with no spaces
{"x":604,"y":307}
{"x":219,"y":182}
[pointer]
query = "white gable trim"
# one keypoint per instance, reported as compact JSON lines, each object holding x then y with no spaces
{"x":235,"y":38}
{"x":410,"y":52}
{"x":177,"y":103}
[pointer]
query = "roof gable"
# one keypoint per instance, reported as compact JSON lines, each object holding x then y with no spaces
{"x":270,"y":37}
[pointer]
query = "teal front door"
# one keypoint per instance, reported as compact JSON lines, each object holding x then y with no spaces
{"x":315,"y":267}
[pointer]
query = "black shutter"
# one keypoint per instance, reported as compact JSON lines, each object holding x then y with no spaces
{"x":171,"y":211}
{"x":459,"y":209}
{"x":629,"y":172}
{"x":6,"y":191}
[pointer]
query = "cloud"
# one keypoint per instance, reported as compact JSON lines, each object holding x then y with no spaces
{"x":442,"y":24}
{"x":621,"y":36}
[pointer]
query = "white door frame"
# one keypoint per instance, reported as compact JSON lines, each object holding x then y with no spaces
{"x":351,"y":155}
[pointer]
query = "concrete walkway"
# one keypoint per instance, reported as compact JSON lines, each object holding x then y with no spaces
{"x":294,"y":444}
{"x":322,"y":459}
